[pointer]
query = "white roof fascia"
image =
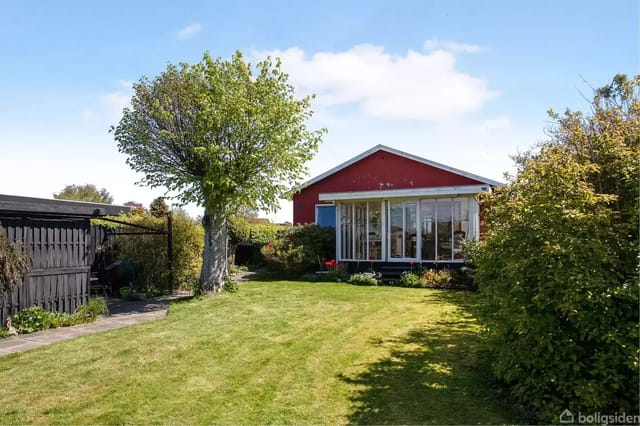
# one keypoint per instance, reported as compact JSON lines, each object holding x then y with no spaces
{"x":440,"y":191}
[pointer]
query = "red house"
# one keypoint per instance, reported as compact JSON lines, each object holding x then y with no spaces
{"x":389,"y":206}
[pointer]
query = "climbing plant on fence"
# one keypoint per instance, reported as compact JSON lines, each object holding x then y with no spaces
{"x":13,"y":264}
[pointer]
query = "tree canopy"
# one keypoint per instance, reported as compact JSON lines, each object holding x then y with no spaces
{"x":220,"y":133}
{"x":87,"y":192}
{"x":159,"y":207}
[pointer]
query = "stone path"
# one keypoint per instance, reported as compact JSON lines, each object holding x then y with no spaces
{"x":122,"y":313}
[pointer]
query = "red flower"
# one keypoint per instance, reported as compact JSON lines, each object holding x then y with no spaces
{"x":269,"y":244}
{"x":411,"y":263}
{"x":371,"y":260}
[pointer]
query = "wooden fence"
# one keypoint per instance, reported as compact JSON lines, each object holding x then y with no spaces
{"x":61,"y":252}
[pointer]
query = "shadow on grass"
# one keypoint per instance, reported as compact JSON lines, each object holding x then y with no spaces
{"x":433,"y":375}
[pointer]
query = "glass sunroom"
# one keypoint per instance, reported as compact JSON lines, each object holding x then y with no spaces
{"x":429,"y":227}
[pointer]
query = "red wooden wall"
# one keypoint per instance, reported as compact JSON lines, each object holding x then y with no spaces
{"x":378,"y":171}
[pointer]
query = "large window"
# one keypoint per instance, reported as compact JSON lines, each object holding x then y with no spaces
{"x":346,"y":231}
{"x":431,"y":229}
{"x":402,"y":230}
{"x":361,"y":230}
{"x":444,"y":225}
{"x":375,"y":231}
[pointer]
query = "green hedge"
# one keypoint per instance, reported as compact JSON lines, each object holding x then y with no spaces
{"x":149,"y":252}
{"x":557,"y":271}
{"x":299,"y":249}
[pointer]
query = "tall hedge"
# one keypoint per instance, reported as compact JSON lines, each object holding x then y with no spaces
{"x":299,"y":249}
{"x":558,"y":269}
{"x":149,"y":252}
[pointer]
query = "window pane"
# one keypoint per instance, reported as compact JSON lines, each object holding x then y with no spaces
{"x":375,"y":230}
{"x":445,"y":234}
{"x":346,"y":231}
{"x":395,"y":230}
{"x":360,"y":230}
{"x":428,"y":229}
{"x":410,"y":238}
{"x":460,"y":226}
{"x":326,"y":216}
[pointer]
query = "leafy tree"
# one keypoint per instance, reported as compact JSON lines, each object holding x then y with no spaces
{"x":218,"y":135}
{"x":136,"y":208}
{"x":86,"y":192}
{"x":158,"y":207}
{"x":558,"y":269}
{"x":134,"y":205}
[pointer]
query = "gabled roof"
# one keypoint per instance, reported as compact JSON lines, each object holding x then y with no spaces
{"x":401,"y":154}
{"x":16,"y":205}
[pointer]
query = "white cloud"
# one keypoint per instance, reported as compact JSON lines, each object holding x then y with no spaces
{"x":109,"y":106}
{"x":190,"y":31}
{"x":451,"y":46}
{"x":420,"y":86}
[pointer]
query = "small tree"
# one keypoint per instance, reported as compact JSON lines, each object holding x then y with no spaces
{"x":86,"y":192}
{"x":219,"y":136}
{"x":158,"y":207}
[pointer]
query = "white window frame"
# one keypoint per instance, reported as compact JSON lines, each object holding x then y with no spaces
{"x":385,"y":206}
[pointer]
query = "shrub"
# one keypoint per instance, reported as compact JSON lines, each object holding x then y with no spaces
{"x":149,"y":252}
{"x":557,"y":271}
{"x":32,"y":319}
{"x":409,"y":279}
{"x":13,"y":264}
{"x":59,"y":319}
{"x":230,"y":285}
{"x":90,"y":311}
{"x":300,"y":249}
{"x":364,"y":278}
{"x":35,"y":318}
{"x":464,"y":276}
{"x":437,"y":279}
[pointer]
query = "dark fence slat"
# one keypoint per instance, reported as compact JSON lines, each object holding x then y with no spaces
{"x":61,"y":254}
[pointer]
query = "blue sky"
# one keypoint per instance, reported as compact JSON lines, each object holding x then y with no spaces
{"x":459,"y":82}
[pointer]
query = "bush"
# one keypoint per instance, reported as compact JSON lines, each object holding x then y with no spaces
{"x":149,"y":252}
{"x":32,"y":319}
{"x":90,"y":311}
{"x":437,"y":279}
{"x":557,"y":271}
{"x":230,"y":285}
{"x":300,"y":249}
{"x":35,"y":318}
{"x":253,"y":236}
{"x":409,"y":279}
{"x":364,"y":278}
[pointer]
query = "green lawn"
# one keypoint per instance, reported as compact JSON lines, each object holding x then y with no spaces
{"x":276,"y":352}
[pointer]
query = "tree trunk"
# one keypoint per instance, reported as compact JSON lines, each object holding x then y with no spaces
{"x":214,"y":260}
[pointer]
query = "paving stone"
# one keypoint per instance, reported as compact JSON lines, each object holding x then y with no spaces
{"x":125,"y":314}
